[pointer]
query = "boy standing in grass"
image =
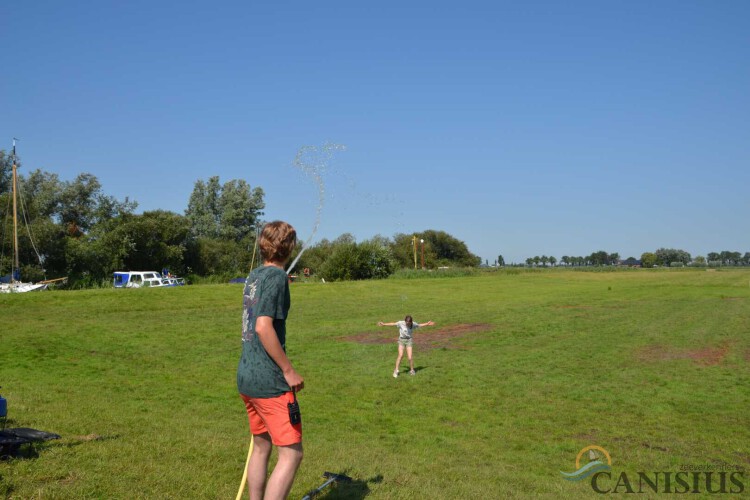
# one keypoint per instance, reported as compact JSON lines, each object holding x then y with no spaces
{"x":405,"y":329}
{"x":266,"y":380}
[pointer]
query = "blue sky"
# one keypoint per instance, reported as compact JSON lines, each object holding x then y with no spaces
{"x":521,"y":128}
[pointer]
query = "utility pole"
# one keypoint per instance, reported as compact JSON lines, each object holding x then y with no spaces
{"x":422,"y":241}
{"x":414,"y":246}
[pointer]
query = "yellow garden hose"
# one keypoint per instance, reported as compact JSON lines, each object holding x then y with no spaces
{"x":244,"y":473}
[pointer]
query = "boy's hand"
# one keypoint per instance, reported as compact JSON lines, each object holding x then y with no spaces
{"x":295,"y":381}
{"x":380,"y":323}
{"x":430,"y":323}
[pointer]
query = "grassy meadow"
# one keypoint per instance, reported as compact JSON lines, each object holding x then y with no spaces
{"x":653,"y":366}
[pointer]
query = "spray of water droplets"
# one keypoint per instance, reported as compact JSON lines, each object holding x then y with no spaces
{"x":313,"y":162}
{"x":354,"y":198}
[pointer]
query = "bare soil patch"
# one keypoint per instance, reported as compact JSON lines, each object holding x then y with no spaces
{"x":427,"y":338}
{"x":652,"y":447}
{"x":589,"y":437}
{"x":706,"y":356}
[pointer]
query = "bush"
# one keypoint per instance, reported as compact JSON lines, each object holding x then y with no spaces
{"x":350,"y":261}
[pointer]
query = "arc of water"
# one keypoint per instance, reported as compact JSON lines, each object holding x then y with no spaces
{"x":313,"y":162}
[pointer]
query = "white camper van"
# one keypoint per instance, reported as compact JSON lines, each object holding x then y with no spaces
{"x":138,"y":279}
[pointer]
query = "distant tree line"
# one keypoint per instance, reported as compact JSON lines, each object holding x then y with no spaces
{"x":728,"y":258}
{"x":663,"y":257}
{"x":72,"y":229}
{"x":600,"y":258}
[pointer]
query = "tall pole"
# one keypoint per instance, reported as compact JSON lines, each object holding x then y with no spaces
{"x":16,"y":263}
{"x":422,"y":241}
{"x":414,"y":245}
{"x":255,"y":245}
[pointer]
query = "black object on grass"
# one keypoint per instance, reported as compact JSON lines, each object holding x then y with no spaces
{"x":330,"y":478}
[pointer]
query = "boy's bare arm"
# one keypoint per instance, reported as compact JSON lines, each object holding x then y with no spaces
{"x":429,"y":323}
{"x":380,"y":323}
{"x":267,"y":335}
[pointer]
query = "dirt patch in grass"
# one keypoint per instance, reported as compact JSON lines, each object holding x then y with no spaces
{"x":589,"y":437}
{"x":652,"y":447}
{"x":427,"y":338}
{"x":706,"y":356}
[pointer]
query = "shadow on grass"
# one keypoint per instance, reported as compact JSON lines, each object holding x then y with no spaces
{"x":27,"y":451}
{"x":355,"y":490}
{"x":20,"y":442}
{"x":32,"y":449}
{"x":405,"y":372}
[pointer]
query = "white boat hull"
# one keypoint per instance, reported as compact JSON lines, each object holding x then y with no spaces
{"x":21,"y":287}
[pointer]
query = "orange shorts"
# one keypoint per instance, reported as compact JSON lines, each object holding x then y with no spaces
{"x":271,"y":415}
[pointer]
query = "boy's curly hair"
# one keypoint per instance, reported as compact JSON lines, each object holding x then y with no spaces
{"x":277,"y":241}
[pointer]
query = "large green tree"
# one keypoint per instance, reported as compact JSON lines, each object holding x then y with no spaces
{"x":729,"y":258}
{"x":151,"y":241}
{"x":600,"y":258}
{"x":666,"y":256}
{"x":648,"y":259}
{"x":449,"y":250}
{"x":239,"y":210}
{"x":228,"y":212}
{"x":203,"y":208}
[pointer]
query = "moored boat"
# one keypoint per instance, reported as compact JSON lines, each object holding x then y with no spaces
{"x":12,"y":283}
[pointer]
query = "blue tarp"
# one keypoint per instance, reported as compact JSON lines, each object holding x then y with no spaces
{"x":7,"y":277}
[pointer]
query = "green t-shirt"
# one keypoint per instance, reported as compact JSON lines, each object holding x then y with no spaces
{"x":266,"y":293}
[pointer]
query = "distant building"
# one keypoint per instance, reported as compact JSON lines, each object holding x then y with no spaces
{"x":629,"y":262}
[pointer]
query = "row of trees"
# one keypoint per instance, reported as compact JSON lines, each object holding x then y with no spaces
{"x":663,"y":257}
{"x":728,"y":258}
{"x":73,"y":229}
{"x":600,"y":258}
{"x":672,"y":257}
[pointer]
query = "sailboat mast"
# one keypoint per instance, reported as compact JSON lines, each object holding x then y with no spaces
{"x":16,"y":262}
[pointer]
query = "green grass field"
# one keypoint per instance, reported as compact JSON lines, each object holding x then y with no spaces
{"x":653,"y":366}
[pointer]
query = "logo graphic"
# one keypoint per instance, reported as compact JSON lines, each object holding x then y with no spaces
{"x":599,"y":461}
{"x":248,"y":301}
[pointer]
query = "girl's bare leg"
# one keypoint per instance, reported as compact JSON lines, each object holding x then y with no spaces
{"x":400,"y":355}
